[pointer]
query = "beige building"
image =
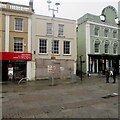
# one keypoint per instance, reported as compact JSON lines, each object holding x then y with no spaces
{"x":65,"y":50}
{"x":15,"y":39}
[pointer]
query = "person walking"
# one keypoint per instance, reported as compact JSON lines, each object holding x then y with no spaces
{"x":107,"y":73}
{"x":114,"y":75}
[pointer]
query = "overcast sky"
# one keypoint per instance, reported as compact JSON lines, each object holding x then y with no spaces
{"x":69,"y":9}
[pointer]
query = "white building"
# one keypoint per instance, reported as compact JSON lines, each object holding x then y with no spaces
{"x":65,"y":49}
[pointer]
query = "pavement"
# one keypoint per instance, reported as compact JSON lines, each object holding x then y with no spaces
{"x":89,"y":98}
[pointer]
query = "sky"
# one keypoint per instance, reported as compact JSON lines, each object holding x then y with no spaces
{"x":69,"y":9}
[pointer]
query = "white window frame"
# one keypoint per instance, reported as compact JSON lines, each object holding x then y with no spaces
{"x":49,"y":29}
{"x":69,"y":48}
{"x":96,"y":28}
{"x":106,"y":34}
{"x":97,"y":50}
{"x":106,"y":48}
{"x":43,"y":46}
{"x":17,"y":25}
{"x":56,"y":47}
{"x":115,"y":48}
{"x":114,"y":34}
{"x":60,"y":30}
{"x":22,"y":41}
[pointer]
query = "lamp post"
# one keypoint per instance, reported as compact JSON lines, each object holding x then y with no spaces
{"x":52,"y":51}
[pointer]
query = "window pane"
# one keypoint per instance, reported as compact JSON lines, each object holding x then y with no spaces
{"x":56,"y":47}
{"x":18,"y":24}
{"x":49,"y":28}
{"x":18,"y":44}
{"x":96,"y":31}
{"x":96,"y":47}
{"x":66,"y":47}
{"x":61,"y":30}
{"x":43,"y":46}
{"x":106,"y":48}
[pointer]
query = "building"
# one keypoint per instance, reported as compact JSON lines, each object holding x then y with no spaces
{"x":15,"y":40}
{"x":98,"y":41}
{"x":65,"y":49}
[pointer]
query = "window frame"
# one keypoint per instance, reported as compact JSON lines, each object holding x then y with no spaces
{"x":96,"y":28}
{"x":43,"y":47}
{"x":68,"y":47}
{"x":16,"y":25}
{"x":60,"y":30}
{"x":56,"y":47}
{"x":97,"y":50}
{"x":106,"y":48}
{"x":114,"y":34}
{"x":22,"y":42}
{"x":49,"y":28}
{"x":106,"y":32}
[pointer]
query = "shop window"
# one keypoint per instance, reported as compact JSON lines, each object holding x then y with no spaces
{"x":18,"y":44}
{"x":56,"y":47}
{"x":49,"y":28}
{"x":18,"y":24}
{"x":60,"y":30}
{"x":43,"y":46}
{"x":67,"y":47}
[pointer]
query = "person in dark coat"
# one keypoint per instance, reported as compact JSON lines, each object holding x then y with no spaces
{"x":107,"y":73}
{"x":114,"y":75}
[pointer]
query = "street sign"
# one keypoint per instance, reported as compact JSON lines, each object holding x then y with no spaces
{"x":53,"y":58}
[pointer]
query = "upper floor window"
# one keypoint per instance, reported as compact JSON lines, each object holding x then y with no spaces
{"x":97,"y":46}
{"x":66,"y":47}
{"x":49,"y":28}
{"x":61,"y":30}
{"x":106,"y":32}
{"x":56,"y":47}
{"x":18,"y":24}
{"x":115,"y":49}
{"x":106,"y":48}
{"x":96,"y":31}
{"x":114,"y":34}
{"x":42,"y":46}
{"x":18,"y":44}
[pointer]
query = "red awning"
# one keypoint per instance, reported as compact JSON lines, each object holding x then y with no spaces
{"x":15,"y":56}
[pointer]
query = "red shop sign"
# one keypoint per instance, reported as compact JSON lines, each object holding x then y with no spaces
{"x":15,"y":56}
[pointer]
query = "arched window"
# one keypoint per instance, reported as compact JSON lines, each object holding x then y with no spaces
{"x":115,"y":48}
{"x":106,"y":48}
{"x":97,"y":46}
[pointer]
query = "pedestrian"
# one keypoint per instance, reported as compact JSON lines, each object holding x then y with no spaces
{"x":111,"y":72}
{"x":114,"y":75}
{"x":107,"y":73}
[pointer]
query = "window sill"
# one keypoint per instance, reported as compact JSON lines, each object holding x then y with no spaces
{"x":67,"y":55}
{"x":42,"y":53}
{"x":62,"y":36}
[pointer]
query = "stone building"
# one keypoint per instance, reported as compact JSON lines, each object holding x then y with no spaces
{"x":15,"y":40}
{"x":65,"y":49}
{"x":98,"y":41}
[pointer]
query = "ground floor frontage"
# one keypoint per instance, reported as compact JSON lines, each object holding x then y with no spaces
{"x":98,"y":63}
{"x":62,"y":68}
{"x":15,"y":65}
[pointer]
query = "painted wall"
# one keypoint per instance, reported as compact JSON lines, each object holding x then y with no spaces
{"x":39,"y":30}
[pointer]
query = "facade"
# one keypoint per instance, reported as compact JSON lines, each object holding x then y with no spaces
{"x":98,"y":41}
{"x":65,"y":51}
{"x":15,"y":39}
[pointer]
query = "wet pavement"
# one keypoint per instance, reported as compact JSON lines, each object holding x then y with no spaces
{"x":89,"y":98}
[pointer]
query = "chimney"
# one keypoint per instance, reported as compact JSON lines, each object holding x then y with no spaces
{"x":31,"y":4}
